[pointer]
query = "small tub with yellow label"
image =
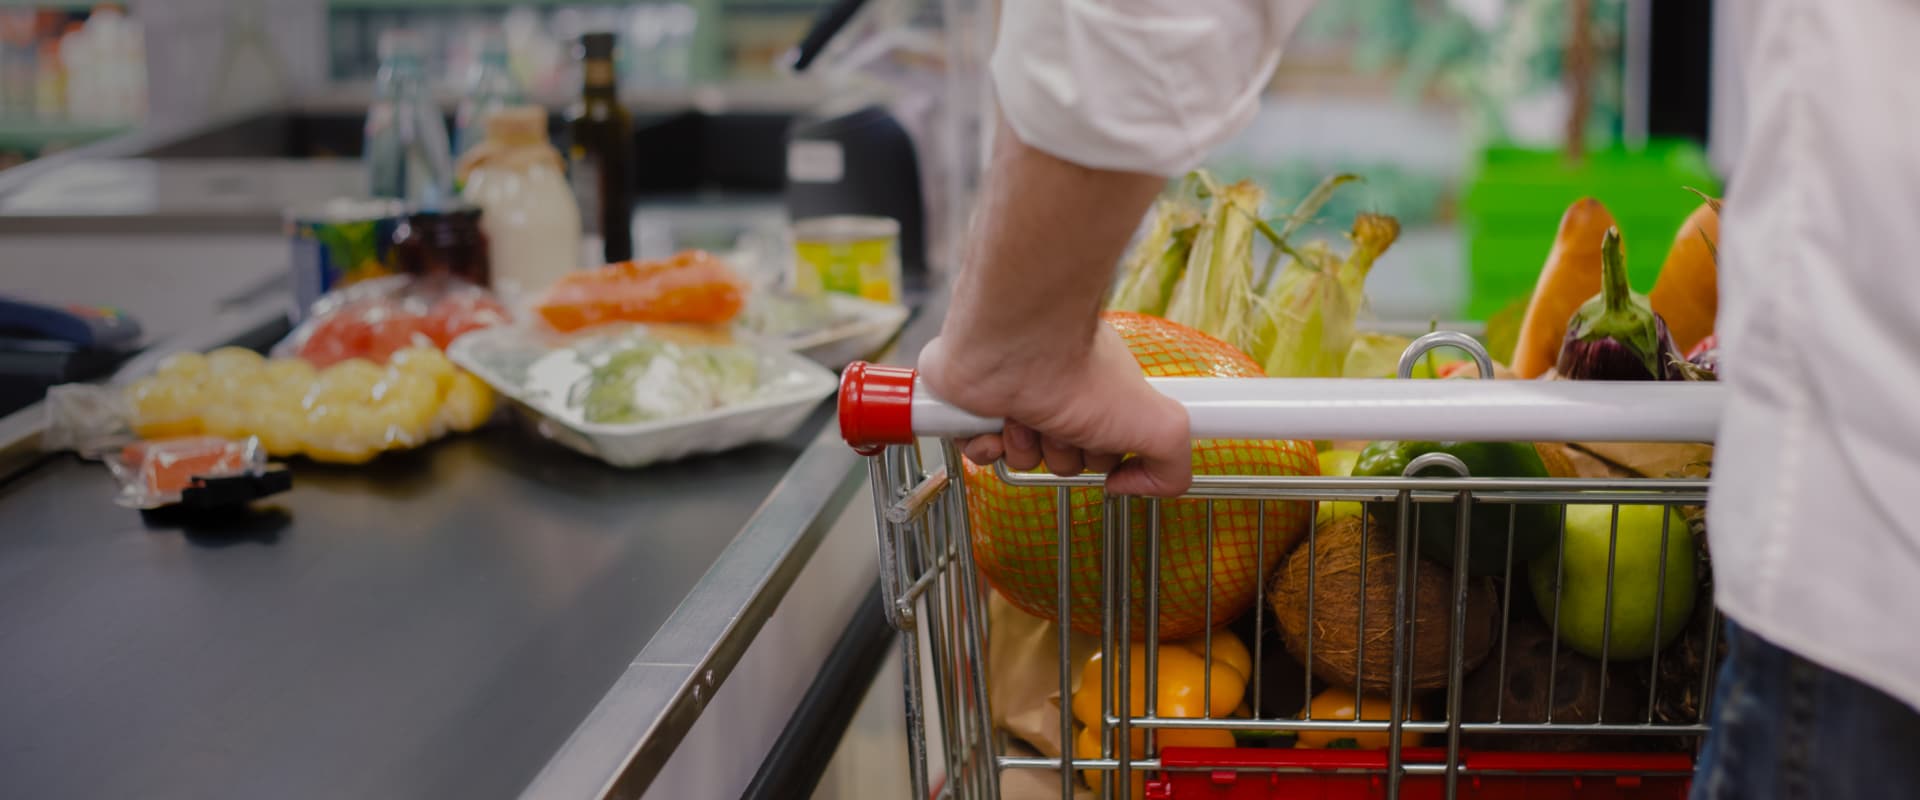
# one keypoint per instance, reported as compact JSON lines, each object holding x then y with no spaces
{"x":852,"y":255}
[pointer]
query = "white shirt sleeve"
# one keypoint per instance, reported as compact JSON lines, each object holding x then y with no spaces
{"x":1137,"y":85}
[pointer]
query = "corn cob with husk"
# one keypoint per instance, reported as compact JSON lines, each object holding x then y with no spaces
{"x":1155,"y":264}
{"x":1310,"y":310}
{"x":1197,"y":269}
{"x":1212,"y":294}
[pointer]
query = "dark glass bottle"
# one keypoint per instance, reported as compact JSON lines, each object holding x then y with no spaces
{"x":446,"y":243}
{"x":599,"y":149}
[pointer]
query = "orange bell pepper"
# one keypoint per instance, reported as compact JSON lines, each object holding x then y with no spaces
{"x":1180,"y":694}
{"x":1337,"y":704}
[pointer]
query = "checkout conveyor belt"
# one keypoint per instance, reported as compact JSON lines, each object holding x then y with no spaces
{"x":433,"y":624}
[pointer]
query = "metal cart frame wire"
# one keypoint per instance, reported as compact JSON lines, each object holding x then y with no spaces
{"x":937,"y":601}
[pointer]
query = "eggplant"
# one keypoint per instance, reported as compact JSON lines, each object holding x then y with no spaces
{"x":1616,"y":336}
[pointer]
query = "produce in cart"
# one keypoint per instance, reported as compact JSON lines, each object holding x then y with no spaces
{"x":1015,"y":539}
{"x":1334,"y":606}
{"x":1571,"y":277}
{"x":1616,"y":336}
{"x":1181,"y":692}
{"x":1626,"y":546}
{"x":1339,"y":703}
{"x":1336,"y":637}
{"x":1534,"y":683}
{"x":1295,"y":317}
{"x":1534,"y":527}
{"x":1687,"y":293}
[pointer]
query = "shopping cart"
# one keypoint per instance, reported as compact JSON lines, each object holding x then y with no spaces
{"x":937,"y":600}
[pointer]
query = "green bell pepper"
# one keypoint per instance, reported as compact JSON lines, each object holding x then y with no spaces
{"x":1535,"y":526}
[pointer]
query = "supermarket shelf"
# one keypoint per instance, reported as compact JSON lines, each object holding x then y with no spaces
{"x":461,"y":5}
{"x":30,"y":134}
{"x":52,"y":5}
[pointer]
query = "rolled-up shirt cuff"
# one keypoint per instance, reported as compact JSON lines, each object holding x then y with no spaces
{"x":1146,"y":86}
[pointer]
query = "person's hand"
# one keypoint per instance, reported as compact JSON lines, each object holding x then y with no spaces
{"x":1086,"y":411}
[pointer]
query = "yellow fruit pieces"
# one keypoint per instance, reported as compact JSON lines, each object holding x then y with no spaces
{"x":346,"y":413}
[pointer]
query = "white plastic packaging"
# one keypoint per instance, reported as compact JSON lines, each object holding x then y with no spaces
{"x":547,"y":377}
{"x":530,"y":218}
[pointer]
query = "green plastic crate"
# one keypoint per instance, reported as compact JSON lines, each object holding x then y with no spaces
{"x":1516,"y":196}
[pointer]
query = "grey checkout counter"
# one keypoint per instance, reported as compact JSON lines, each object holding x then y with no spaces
{"x":491,"y":616}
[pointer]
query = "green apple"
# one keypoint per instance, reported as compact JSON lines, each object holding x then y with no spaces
{"x":1336,"y":463}
{"x":1636,"y":580}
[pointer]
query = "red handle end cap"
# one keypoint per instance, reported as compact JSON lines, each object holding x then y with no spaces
{"x":876,"y":406}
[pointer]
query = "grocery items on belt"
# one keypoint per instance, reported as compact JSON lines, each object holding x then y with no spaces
{"x":348,"y":412}
{"x":375,"y":319}
{"x":1643,"y":546}
{"x":1571,"y":276}
{"x":1533,"y":524}
{"x":1015,"y":539}
{"x":531,"y":222}
{"x":691,"y":287}
{"x":831,"y":328}
{"x":1616,"y":336}
{"x":200,"y":471}
{"x":632,"y":395}
{"x":1338,"y":703}
{"x":651,"y":380}
{"x":600,"y":150}
{"x":443,"y":243}
{"x":1687,"y":293}
{"x":1186,"y":686}
{"x":851,"y":255}
{"x":338,"y":244}
{"x":1326,"y":577}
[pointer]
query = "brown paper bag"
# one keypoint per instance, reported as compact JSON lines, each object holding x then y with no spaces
{"x":1023,"y":657}
{"x":1568,"y":461}
{"x":1649,"y":459}
{"x":1654,"y":459}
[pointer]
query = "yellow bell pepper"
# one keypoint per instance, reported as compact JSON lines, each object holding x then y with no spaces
{"x":1337,"y":704}
{"x":1180,"y":694}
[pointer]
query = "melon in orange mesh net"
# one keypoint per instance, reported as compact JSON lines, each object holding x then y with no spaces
{"x":1016,"y":545}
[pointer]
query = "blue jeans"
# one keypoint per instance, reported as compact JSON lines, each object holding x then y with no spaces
{"x":1784,"y":727}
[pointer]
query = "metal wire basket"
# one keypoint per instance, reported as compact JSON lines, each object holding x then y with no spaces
{"x":937,"y":599}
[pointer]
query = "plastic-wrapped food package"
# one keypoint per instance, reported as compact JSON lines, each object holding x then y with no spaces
{"x":195,"y":470}
{"x":346,"y":412}
{"x":633,"y":395}
{"x":374,"y":319}
{"x":691,"y":287}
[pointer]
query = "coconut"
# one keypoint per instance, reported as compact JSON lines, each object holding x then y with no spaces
{"x":1339,"y":636}
{"x":1520,"y":695}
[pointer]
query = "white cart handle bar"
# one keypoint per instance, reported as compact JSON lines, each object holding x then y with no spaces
{"x":882,"y":406}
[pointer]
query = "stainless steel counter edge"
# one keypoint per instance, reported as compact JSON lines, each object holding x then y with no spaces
{"x":626,"y":739}
{"x":622,"y":745}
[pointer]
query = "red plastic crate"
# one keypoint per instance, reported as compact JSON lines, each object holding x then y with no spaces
{"x":1247,"y":774}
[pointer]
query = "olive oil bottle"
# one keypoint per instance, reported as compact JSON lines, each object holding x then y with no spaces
{"x":600,"y":147}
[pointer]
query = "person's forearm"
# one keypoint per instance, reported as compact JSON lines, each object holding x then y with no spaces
{"x":1041,"y":257}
